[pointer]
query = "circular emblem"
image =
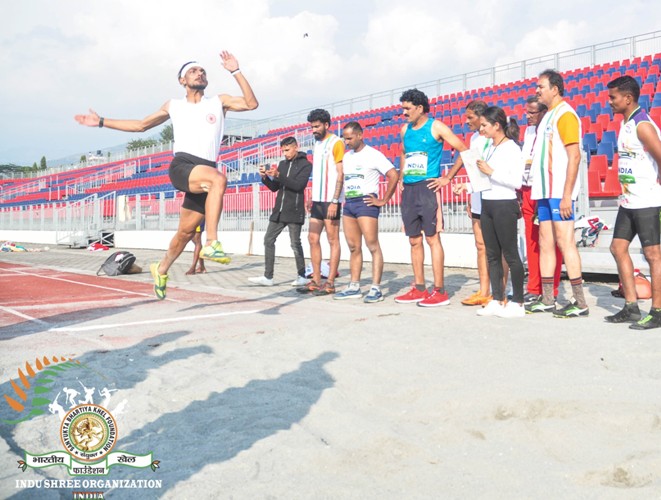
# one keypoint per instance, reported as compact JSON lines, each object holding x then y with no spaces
{"x":88,"y":432}
{"x":211,"y":118}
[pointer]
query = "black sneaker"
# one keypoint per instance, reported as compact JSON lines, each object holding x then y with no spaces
{"x":648,"y":322}
{"x":539,"y":307}
{"x":529,"y":298}
{"x":628,"y":314}
{"x":571,"y":310}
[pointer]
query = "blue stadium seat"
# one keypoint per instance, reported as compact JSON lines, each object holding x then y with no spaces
{"x":609,"y":136}
{"x":581,"y":110}
{"x":446,"y":157}
{"x":656,"y":102}
{"x":590,"y":142}
{"x":644,"y":102}
{"x":606,"y":148}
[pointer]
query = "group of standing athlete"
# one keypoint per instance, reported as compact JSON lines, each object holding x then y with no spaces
{"x":541,"y":182}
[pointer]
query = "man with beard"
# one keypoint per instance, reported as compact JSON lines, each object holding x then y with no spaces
{"x":198,"y":127}
{"x":327,"y":195}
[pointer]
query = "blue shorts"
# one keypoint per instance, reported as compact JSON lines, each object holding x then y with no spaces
{"x":548,"y":209}
{"x":356,"y":207}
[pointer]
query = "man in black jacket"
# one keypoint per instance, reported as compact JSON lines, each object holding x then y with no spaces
{"x":290,"y":180}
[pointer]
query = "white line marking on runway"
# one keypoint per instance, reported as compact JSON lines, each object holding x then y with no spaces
{"x":21,"y":315}
{"x":149,"y":322}
{"x":90,"y":285}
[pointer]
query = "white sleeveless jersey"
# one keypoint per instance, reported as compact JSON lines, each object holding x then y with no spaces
{"x":549,"y":161}
{"x":324,"y":170}
{"x":638,"y":172}
{"x":197,"y":127}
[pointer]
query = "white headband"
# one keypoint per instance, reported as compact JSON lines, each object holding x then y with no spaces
{"x":187,"y":66}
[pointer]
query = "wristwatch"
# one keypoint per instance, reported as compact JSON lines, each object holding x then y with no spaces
{"x":335,"y":200}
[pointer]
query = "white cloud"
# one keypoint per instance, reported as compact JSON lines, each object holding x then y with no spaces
{"x":563,"y":35}
{"x":121,"y":57}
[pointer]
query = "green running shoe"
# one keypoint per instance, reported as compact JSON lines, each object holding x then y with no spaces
{"x":160,"y":281}
{"x":214,"y":251}
{"x":648,"y":322}
{"x":571,"y":310}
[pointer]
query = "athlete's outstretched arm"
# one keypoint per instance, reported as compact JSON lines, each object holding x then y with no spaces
{"x":245,"y":102}
{"x":94,"y":120}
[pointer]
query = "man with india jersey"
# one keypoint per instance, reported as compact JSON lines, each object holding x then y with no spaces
{"x":639,"y":150}
{"x":363,"y":167}
{"x":422,"y":140}
{"x":327,"y":181}
{"x":554,"y":169}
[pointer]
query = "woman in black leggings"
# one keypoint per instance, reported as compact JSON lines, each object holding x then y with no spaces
{"x":500,"y":210}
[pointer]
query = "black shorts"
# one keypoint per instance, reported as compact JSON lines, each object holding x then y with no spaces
{"x":475,"y":216}
{"x":419,"y":210}
{"x":319,"y":211}
{"x":179,"y":172}
{"x":643,"y":222}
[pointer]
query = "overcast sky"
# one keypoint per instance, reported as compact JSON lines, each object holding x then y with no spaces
{"x":120,"y":57}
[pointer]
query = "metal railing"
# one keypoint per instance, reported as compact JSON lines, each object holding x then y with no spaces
{"x":591,"y":55}
{"x":246,"y":208}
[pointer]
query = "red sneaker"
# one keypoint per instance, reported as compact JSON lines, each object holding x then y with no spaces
{"x":435,"y":298}
{"x":412,"y":296}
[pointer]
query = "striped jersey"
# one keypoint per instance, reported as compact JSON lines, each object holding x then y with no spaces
{"x":559,"y":127}
{"x":327,"y":154}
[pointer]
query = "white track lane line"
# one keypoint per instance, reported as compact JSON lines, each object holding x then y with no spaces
{"x":89,"y":284}
{"x":21,"y":315}
{"x":149,"y":322}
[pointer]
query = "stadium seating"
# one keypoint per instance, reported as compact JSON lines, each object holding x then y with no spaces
{"x":585,"y":89}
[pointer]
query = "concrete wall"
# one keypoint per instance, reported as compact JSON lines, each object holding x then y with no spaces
{"x":459,"y":248}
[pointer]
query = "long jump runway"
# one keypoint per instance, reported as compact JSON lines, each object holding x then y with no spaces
{"x":56,"y":301}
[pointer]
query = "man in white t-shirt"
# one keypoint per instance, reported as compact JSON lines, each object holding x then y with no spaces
{"x":198,"y":124}
{"x":363,"y":167}
{"x":639,"y":150}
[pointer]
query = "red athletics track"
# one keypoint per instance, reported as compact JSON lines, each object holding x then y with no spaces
{"x":48,"y":298}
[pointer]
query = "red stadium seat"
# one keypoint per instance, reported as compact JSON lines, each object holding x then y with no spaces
{"x":612,"y":183}
{"x":594,"y":183}
{"x":597,"y":130}
{"x":599,"y":163}
{"x":655,"y":114}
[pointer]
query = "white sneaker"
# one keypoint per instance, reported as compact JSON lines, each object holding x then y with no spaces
{"x":300,"y":281}
{"x":492,"y":308}
{"x":512,"y":310}
{"x":261,"y":280}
